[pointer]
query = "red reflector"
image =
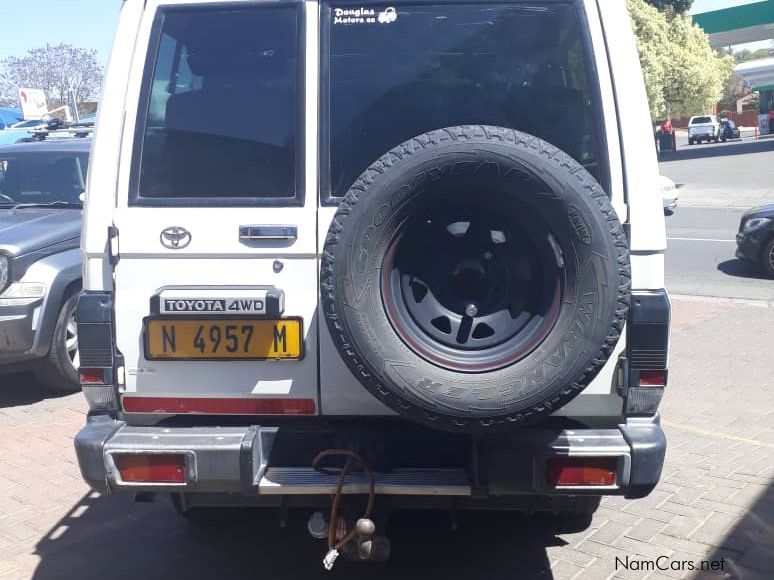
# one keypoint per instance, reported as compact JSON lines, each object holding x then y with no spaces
{"x":652,"y":378}
{"x":221,"y":406}
{"x":576,"y":471}
{"x":154,"y":468}
{"x":92,"y":376}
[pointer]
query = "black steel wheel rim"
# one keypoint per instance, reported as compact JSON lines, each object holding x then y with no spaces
{"x":471,"y":289}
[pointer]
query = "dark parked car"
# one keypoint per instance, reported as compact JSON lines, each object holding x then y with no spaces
{"x":40,"y":261}
{"x":755,"y":240}
{"x":728,"y":130}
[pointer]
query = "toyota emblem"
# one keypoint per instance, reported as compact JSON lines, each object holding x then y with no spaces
{"x":175,"y":237}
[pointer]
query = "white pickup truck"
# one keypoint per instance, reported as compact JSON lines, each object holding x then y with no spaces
{"x":703,"y":128}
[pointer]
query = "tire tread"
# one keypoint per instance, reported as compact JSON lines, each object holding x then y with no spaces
{"x":527,"y":143}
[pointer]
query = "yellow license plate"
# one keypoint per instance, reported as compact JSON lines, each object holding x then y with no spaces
{"x":224,"y":339}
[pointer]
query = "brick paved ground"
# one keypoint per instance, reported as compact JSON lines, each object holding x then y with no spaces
{"x":715,"y":501}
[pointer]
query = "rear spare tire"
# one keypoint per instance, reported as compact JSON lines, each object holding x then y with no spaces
{"x":475,"y":278}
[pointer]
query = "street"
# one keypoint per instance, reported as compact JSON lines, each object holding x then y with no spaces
{"x":717,"y":184}
{"x":738,"y":174}
{"x":715,"y":500}
{"x":701,"y":261}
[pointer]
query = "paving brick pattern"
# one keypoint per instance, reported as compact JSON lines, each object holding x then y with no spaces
{"x":715,"y":501}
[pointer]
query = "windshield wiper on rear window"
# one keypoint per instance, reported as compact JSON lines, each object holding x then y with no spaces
{"x":48,"y":204}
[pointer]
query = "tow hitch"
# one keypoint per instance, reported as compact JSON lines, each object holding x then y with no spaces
{"x":357,"y":542}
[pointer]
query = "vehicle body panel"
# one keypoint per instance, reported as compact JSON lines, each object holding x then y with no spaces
{"x":9,"y":116}
{"x":42,"y":245}
{"x":669,"y":193}
{"x":752,"y":241}
{"x":19,"y":132}
{"x":216,"y":257}
{"x":25,"y":230}
{"x":729,"y":130}
{"x":27,"y":325}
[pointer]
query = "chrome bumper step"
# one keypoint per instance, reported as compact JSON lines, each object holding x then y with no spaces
{"x":307,"y":481}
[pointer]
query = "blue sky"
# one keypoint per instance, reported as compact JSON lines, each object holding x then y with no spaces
{"x":26,"y":24}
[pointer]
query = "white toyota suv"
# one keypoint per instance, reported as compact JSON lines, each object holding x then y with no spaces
{"x":409,"y":250}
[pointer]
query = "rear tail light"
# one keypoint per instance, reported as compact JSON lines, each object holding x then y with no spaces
{"x":151,"y":468}
{"x":647,"y":352}
{"x":96,"y":350}
{"x":92,"y":376}
{"x":652,"y":378}
{"x":582,"y":471}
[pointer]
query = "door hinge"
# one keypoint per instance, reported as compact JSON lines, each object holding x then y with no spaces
{"x":113,"y":245}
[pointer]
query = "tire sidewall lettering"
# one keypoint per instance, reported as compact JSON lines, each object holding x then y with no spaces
{"x":547,"y":377}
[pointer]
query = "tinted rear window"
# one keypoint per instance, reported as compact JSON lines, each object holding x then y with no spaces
{"x":701,"y":120}
{"x":398,"y":72}
{"x":221,"y":117}
{"x":42,"y":177}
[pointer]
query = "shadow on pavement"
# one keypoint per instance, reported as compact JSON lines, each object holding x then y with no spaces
{"x":19,"y":389}
{"x":112,"y":537}
{"x":747,"y":549}
{"x":741,"y":269}
{"x":706,"y":151}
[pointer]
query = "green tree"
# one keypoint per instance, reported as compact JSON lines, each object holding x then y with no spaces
{"x":676,"y":6}
{"x":683,"y":75}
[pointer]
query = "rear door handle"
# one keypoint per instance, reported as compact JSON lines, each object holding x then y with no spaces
{"x":259,"y":232}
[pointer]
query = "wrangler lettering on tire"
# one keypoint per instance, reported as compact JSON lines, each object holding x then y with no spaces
{"x":475,"y":278}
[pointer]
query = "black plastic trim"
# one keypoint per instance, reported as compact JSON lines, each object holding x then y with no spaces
{"x":648,"y":442}
{"x":94,"y":315}
{"x":274,"y":299}
{"x":247,"y":462}
{"x":112,"y":234}
{"x":89,"y":446}
{"x":95,"y":307}
{"x":648,"y":330}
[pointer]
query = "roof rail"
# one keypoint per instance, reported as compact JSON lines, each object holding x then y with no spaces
{"x":69,"y":130}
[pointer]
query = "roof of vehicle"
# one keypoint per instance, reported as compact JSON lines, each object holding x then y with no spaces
{"x":76,"y":145}
{"x":10,"y":115}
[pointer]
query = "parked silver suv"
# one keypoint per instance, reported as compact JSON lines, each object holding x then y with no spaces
{"x":414,"y":250}
{"x":40,"y":262}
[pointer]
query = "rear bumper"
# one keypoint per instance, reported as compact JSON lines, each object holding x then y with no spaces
{"x":238,"y":460}
{"x":704,"y":133}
